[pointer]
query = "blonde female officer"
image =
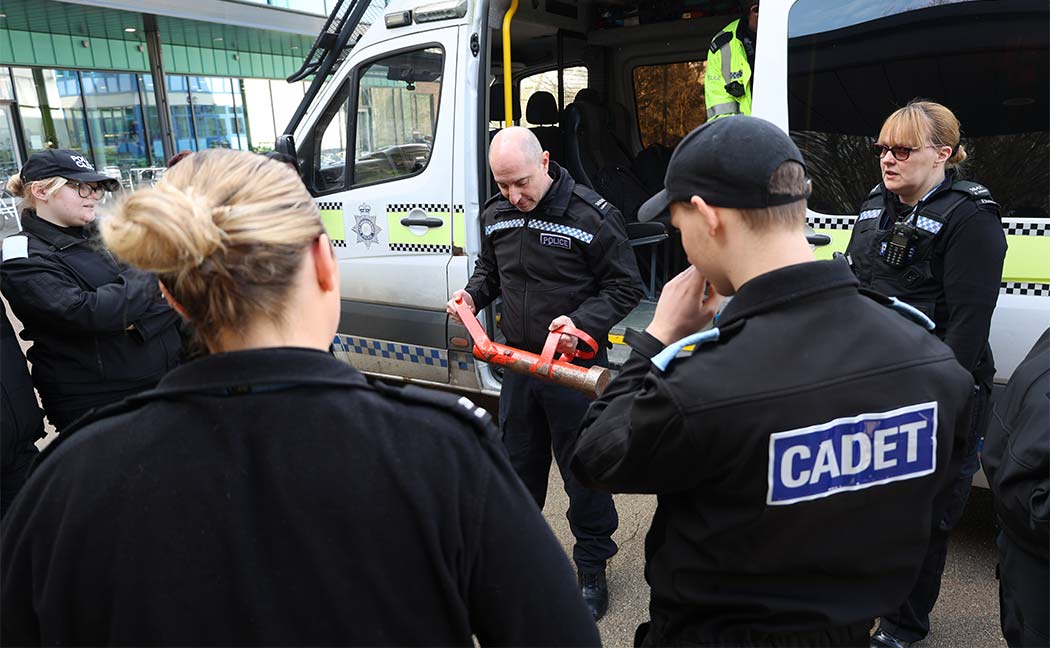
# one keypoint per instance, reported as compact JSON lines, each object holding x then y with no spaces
{"x":933,"y":240}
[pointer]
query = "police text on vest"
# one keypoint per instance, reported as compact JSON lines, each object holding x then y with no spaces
{"x":852,"y":453}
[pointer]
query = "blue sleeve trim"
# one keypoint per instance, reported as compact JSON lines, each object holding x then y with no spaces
{"x":912,"y":313}
{"x":664,"y":358}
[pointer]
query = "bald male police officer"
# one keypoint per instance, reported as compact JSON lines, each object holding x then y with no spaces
{"x":555,"y":252}
{"x":797,"y":450}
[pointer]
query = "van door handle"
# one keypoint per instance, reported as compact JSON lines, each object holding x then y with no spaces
{"x":422,"y":221}
{"x":813,"y":239}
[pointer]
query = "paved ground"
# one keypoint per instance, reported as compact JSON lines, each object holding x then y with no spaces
{"x":967,"y":614}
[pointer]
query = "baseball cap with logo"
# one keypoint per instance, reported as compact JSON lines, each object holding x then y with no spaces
{"x":728,"y":162}
{"x":63,"y":163}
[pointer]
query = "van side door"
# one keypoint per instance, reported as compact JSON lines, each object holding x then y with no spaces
{"x":379,"y":161}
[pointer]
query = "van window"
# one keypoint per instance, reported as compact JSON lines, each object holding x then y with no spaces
{"x":848,"y":69}
{"x":670,"y":101}
{"x":574,"y":79}
{"x":329,"y":145}
{"x":397,"y":112}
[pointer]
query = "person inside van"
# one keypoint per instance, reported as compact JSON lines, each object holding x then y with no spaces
{"x":100,"y":330}
{"x":731,"y":65}
{"x":933,"y":240}
{"x":267,"y":494}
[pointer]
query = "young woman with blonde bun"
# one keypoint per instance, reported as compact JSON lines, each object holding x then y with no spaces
{"x":933,"y":240}
{"x":100,"y":330}
{"x":267,"y":493}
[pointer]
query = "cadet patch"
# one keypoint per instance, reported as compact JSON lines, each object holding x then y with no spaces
{"x":16,"y":247}
{"x":556,"y":240}
{"x":852,"y":453}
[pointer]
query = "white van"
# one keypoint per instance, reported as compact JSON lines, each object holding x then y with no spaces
{"x":393,"y":135}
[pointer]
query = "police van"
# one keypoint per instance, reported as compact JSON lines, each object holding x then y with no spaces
{"x":393,"y":136}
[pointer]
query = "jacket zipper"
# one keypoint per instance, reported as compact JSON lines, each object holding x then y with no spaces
{"x":525,"y":297}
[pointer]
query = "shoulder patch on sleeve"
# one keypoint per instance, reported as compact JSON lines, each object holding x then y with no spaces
{"x":719,"y":40}
{"x":16,"y":247}
{"x":972,"y":188}
{"x":594,"y":199}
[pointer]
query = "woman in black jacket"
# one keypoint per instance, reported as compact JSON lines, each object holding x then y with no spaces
{"x":100,"y":330}
{"x":933,"y":240}
{"x":267,"y":493}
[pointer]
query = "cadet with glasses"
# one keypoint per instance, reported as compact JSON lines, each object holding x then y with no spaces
{"x":267,"y":493}
{"x":933,"y":240}
{"x":100,"y":330}
{"x":795,"y":460}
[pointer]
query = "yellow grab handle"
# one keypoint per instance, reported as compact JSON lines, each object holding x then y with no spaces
{"x":508,"y":94}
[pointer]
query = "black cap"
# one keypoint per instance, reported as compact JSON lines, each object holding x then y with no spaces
{"x":728,"y":162}
{"x":63,"y":163}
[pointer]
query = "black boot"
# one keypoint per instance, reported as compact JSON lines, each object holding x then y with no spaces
{"x":883,"y":639}
{"x":595,"y":591}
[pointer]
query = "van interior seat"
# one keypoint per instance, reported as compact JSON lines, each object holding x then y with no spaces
{"x":542,"y":109}
{"x":593,"y":160}
{"x":496,"y":113}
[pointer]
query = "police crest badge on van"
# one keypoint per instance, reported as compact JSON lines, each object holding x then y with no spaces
{"x":852,"y":453}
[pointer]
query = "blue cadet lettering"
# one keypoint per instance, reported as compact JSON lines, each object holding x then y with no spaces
{"x":852,"y":453}
{"x":556,"y":240}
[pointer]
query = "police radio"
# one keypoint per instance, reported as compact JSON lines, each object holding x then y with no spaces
{"x":899,"y":247}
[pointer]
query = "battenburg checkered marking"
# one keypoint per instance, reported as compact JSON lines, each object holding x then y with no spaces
{"x":502,"y":225}
{"x":1026,"y":227}
{"x":1023,"y":288}
{"x":391,"y":350}
{"x":577,"y":234}
{"x":421,"y":248}
{"x":869,"y":213}
{"x":831,"y":222}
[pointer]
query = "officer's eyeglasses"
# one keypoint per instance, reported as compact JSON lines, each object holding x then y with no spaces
{"x":902,"y":153}
{"x":86,"y":190}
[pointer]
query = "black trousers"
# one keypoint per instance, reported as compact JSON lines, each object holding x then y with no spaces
{"x":911,"y":622}
{"x":536,"y":418}
{"x":1023,"y":596}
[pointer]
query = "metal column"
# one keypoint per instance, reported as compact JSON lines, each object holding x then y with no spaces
{"x":160,"y":86}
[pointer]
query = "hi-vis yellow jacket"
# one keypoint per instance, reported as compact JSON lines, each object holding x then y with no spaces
{"x":727,"y":84}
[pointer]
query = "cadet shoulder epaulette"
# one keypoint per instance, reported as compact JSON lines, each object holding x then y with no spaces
{"x":904,"y":308}
{"x":459,"y":406}
{"x":594,"y":199}
{"x":709,"y":337}
{"x":719,"y":40}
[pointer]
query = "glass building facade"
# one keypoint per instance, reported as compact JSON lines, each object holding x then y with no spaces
{"x":83,"y":81}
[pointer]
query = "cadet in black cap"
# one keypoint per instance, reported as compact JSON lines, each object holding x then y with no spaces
{"x":100,"y":330}
{"x":791,"y":422}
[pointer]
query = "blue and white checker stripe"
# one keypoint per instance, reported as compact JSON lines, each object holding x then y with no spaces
{"x":555,"y":228}
{"x":391,"y":350}
{"x":869,"y":213}
{"x":928,"y":224}
{"x":502,"y":225}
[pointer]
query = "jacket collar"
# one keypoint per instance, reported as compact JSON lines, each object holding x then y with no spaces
{"x":55,"y":236}
{"x":241,"y":371}
{"x":555,"y":203}
{"x":785,"y":285}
